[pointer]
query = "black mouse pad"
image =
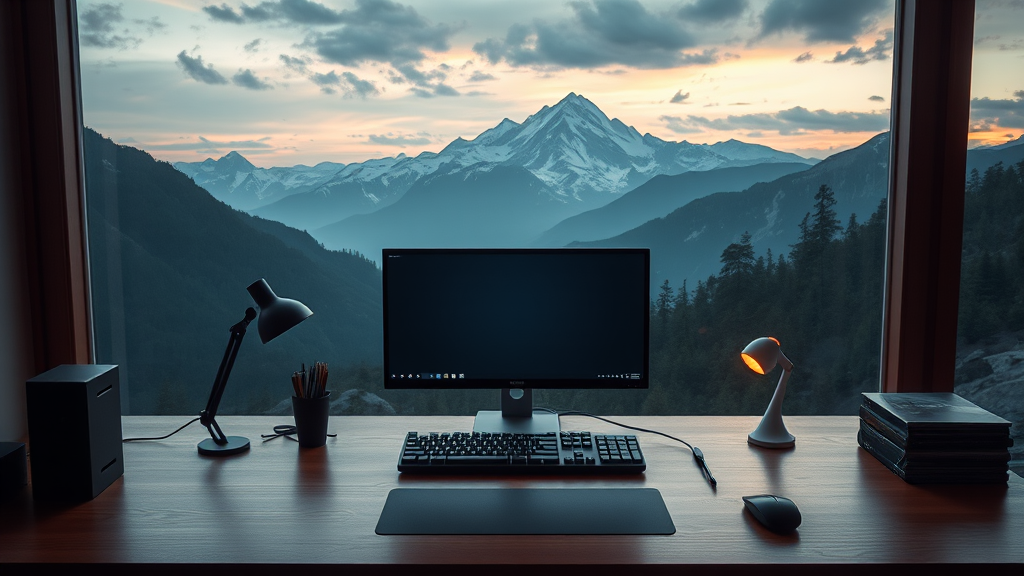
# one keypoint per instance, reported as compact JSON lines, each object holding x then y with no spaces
{"x":524,"y":511}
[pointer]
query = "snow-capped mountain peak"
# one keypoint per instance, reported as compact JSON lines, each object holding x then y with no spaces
{"x":583,"y":158}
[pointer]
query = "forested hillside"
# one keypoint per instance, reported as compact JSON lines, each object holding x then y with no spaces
{"x":170,"y":265}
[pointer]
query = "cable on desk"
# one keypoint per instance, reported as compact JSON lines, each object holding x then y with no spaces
{"x":698,"y":455}
{"x":162,"y":437}
{"x":286,"y":430}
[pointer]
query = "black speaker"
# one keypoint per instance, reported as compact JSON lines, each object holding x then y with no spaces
{"x":74,"y":431}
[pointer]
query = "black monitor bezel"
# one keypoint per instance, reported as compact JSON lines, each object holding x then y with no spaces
{"x":488,"y":384}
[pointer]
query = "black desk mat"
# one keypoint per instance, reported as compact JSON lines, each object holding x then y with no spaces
{"x":524,"y":511}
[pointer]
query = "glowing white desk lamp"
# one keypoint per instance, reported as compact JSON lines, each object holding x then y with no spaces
{"x":761,"y":356}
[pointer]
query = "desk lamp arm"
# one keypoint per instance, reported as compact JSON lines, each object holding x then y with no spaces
{"x":208,"y":416}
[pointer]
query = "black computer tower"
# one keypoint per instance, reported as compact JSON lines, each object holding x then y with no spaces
{"x":74,"y":427}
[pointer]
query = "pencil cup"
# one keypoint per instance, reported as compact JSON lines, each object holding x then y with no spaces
{"x":311,"y":420}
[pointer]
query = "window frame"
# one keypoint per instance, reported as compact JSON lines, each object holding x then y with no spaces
{"x":933,"y":49}
{"x":45,"y":36}
{"x":931,"y":91}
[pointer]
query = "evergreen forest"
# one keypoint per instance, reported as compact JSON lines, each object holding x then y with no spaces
{"x":823,"y":302}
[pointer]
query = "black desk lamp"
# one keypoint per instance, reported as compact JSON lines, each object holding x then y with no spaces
{"x":277,"y":316}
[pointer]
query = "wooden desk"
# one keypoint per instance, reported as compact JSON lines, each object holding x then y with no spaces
{"x":278,"y":505}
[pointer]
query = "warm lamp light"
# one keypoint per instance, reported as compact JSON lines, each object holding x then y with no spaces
{"x":761,"y":356}
{"x":277,"y":315}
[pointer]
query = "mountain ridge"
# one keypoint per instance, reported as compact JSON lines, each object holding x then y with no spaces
{"x":585,"y":158}
{"x":169,"y":265}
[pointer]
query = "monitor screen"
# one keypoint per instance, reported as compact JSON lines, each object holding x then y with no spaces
{"x":516,"y":318}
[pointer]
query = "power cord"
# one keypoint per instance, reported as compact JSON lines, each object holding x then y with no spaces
{"x":286,"y":430}
{"x":162,"y":437}
{"x":697,"y":454}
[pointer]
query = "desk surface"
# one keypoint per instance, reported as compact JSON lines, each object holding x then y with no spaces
{"x":279,"y":504}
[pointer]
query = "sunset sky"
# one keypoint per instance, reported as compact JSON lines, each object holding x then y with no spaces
{"x":289,"y":82}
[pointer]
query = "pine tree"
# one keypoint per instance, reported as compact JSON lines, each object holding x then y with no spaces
{"x":826,"y":224}
{"x":851,"y":228}
{"x":663,"y":306}
{"x":738,"y":258}
{"x":683,"y":296}
{"x":974,"y":182}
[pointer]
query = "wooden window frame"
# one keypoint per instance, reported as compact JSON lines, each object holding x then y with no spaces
{"x":52,"y":174}
{"x":931,"y":91}
{"x":930,"y":111}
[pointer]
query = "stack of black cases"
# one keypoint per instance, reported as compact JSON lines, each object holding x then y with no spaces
{"x":935,"y":438}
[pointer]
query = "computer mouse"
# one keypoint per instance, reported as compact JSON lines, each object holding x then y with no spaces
{"x":778,"y":514}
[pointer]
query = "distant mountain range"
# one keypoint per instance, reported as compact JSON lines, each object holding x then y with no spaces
{"x":235,"y":181}
{"x":569,"y":175}
{"x":657,"y":197}
{"x":687,"y":243}
{"x":583,"y":159}
{"x":1008,"y":153}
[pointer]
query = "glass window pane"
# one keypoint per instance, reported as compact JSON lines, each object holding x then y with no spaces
{"x":990,"y":353}
{"x":745,"y":143}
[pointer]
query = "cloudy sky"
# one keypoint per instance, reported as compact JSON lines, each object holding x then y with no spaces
{"x":299,"y":81}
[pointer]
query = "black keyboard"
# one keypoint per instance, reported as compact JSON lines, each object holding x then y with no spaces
{"x":484,"y":453}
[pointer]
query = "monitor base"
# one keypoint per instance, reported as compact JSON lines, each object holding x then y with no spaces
{"x":492,"y":421}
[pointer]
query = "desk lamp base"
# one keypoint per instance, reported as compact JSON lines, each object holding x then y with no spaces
{"x":235,"y":445}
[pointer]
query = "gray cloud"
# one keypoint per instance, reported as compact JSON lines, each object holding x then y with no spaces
{"x":223,"y":13}
{"x":795,"y":120}
{"x":679,"y":98}
{"x":1005,"y":113}
{"x":882,"y":50}
{"x":601,"y":33}
{"x":709,"y":11}
{"x":479,"y":76}
{"x":350,"y":84}
{"x":246,"y":79}
{"x":152,"y":26}
{"x":805,"y":57}
{"x":199,"y":72}
{"x":876,"y":98}
{"x":381,"y":31}
{"x":402,"y":141}
{"x":439,"y":89}
{"x":818,"y":21}
{"x":326,"y":82}
{"x":297,"y":64}
{"x":210,"y":145}
{"x":98,"y":28}
{"x":679,"y":125}
{"x":301,"y":12}
{"x":253,"y":46}
{"x":357,"y":87}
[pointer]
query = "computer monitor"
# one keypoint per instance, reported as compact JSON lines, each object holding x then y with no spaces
{"x":515,"y":320}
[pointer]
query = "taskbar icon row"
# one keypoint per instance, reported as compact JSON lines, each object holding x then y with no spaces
{"x":428,"y":376}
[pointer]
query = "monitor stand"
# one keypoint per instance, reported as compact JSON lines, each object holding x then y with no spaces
{"x":516,"y":415}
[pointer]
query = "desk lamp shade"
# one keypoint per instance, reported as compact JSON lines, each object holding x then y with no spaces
{"x":277,"y":316}
{"x":761,"y":356}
